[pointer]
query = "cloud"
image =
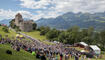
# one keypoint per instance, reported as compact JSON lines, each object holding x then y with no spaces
{"x":64,"y":6}
{"x":35,"y":4}
{"x":9,"y":14}
{"x":54,"y":8}
{"x":6,"y":14}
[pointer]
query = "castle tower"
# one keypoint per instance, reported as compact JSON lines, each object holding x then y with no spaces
{"x":23,"y":25}
{"x":18,"y":19}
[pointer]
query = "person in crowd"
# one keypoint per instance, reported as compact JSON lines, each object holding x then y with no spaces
{"x":50,"y":56}
{"x":9,"y":52}
{"x":89,"y":58}
{"x":66,"y":56}
{"x":56,"y":57}
{"x":82,"y":58}
{"x":33,"y":53}
{"x":38,"y":55}
{"x":43,"y":56}
{"x":18,"y":48}
{"x":29,"y":49}
{"x":76,"y":56}
{"x":61,"y":56}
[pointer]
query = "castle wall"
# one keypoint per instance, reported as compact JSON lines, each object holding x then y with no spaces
{"x":18,"y":20}
{"x":23,"y":25}
{"x":26,"y":26}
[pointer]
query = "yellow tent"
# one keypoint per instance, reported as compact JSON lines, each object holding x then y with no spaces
{"x":21,"y":36}
{"x":17,"y":35}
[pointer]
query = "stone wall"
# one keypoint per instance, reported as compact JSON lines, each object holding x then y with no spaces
{"x":23,"y":25}
{"x":26,"y":27}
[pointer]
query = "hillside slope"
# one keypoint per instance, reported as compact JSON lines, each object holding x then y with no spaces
{"x":10,"y":34}
{"x":22,"y":55}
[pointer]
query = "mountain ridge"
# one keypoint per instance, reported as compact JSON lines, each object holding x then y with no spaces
{"x":67,"y":20}
{"x":83,"y":20}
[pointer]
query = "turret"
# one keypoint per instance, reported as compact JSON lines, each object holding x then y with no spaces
{"x":18,"y":19}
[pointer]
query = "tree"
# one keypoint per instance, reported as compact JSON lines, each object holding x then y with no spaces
{"x":41,"y":28}
{"x":17,"y":28}
{"x":75,"y":34}
{"x":96,"y":38}
{"x":5,"y":29}
{"x":34,"y":26}
{"x":65,"y":37}
{"x":52,"y":34}
{"x":102,"y":38}
{"x":44,"y":30}
{"x":74,"y":29}
{"x":90,"y":31}
{"x":88,"y":40}
{"x":12,"y":25}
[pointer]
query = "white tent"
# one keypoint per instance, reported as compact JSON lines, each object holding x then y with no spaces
{"x":83,"y":43}
{"x":96,"y":49}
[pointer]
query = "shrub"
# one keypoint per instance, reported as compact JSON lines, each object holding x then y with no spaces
{"x":5,"y":29}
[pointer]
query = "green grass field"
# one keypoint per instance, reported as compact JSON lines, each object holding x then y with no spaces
{"x":22,"y":55}
{"x":10,"y":34}
{"x":36,"y":35}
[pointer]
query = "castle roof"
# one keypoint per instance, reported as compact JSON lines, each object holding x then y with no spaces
{"x":19,"y":15}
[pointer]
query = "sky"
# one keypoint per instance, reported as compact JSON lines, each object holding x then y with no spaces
{"x":36,"y":9}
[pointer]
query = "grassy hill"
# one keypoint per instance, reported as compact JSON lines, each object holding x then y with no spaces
{"x":36,"y":35}
{"x":22,"y":55}
{"x":10,"y":34}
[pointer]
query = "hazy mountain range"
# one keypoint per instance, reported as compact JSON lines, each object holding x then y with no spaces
{"x":65,"y":21}
{"x":5,"y":21}
{"x":83,"y":20}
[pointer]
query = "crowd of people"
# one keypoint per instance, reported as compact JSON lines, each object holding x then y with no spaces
{"x":44,"y":51}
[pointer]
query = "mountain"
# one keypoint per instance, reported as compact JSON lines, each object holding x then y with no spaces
{"x":5,"y":21}
{"x":83,"y":20}
{"x":65,"y":21}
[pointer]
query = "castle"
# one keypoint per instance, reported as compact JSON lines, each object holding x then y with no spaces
{"x":25,"y":26}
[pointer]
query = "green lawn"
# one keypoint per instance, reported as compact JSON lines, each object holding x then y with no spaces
{"x":36,"y":35}
{"x":22,"y":55}
{"x":10,"y":34}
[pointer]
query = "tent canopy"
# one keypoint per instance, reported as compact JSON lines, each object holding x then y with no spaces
{"x":18,"y":35}
{"x":21,"y":36}
{"x":94,"y":47}
{"x":83,"y":43}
